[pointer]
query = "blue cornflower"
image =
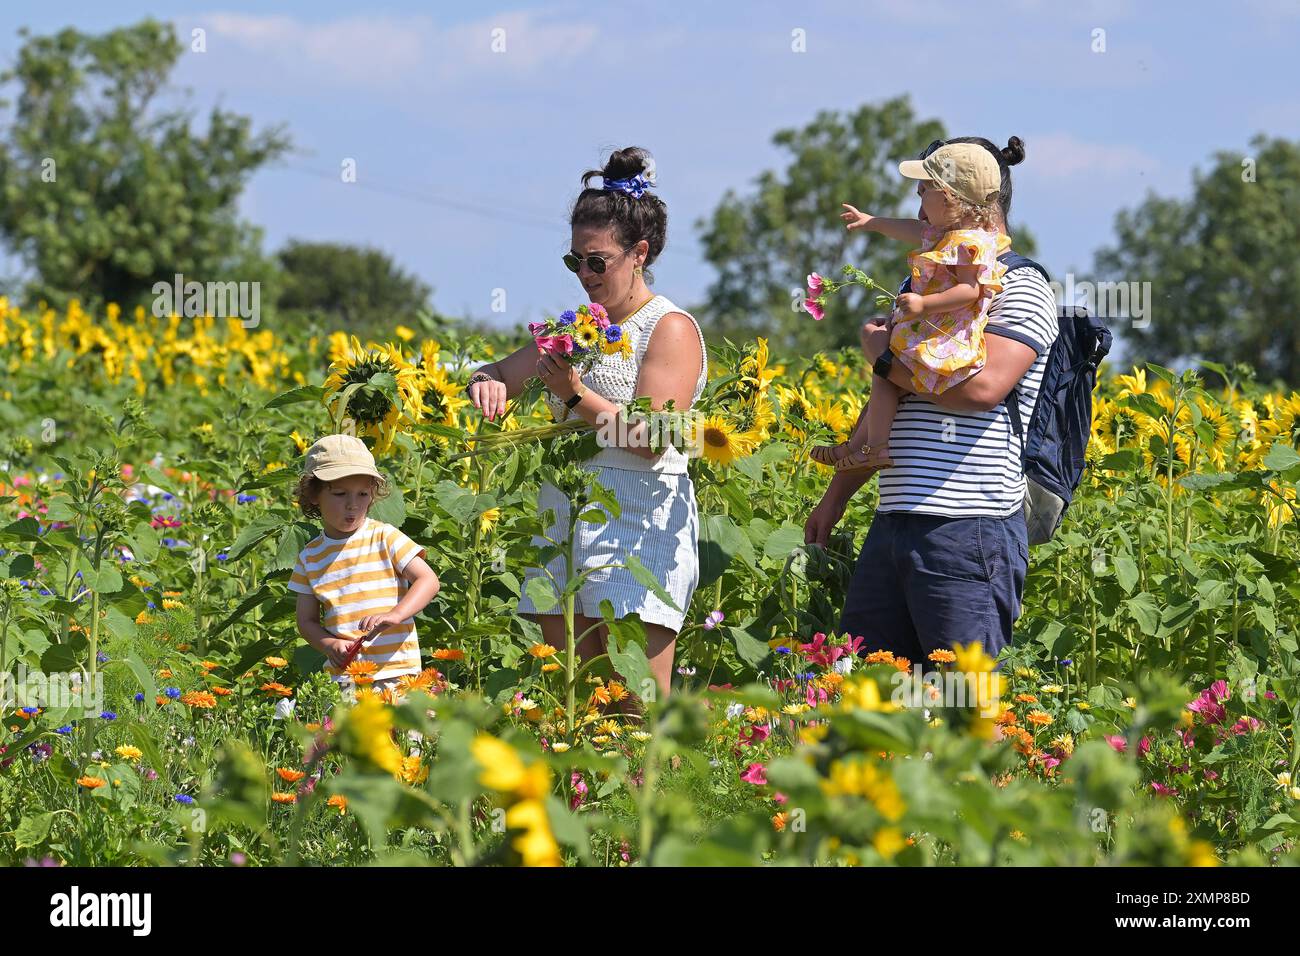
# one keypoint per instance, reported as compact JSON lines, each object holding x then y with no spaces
{"x":1066,"y":662}
{"x":613,"y":333}
{"x":173,"y":692}
{"x":108,"y":715}
{"x":245,"y":499}
{"x":169,"y":542}
{"x":569,"y":316}
{"x":184,"y":798}
{"x":222,"y":556}
{"x":65,"y":729}
{"x":102,"y":657}
{"x":150,"y":605}
{"x":30,"y":710}
{"x":139,"y":698}
{"x":46,"y":591}
{"x":783,"y":650}
{"x":168,"y":496}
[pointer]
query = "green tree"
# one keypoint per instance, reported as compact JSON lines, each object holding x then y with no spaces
{"x":105,"y":191}
{"x":359,"y":290}
{"x":1223,"y":268}
{"x":764,"y":245}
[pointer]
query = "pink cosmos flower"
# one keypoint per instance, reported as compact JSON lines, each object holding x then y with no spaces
{"x":1161,"y":789}
{"x":814,"y":308}
{"x":817,"y":655}
{"x":814,"y":285}
{"x":780,"y":797}
{"x":1246,"y":725}
{"x":755,"y":735}
{"x":815,"y":695}
{"x":756,"y":774}
{"x":555,"y":344}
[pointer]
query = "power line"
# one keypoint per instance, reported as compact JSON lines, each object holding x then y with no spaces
{"x":529,"y":218}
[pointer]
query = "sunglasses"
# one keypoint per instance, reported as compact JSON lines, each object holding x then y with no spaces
{"x":596,"y":264}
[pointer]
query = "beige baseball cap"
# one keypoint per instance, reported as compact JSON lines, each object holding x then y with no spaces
{"x":968,"y":169}
{"x":338,"y":456}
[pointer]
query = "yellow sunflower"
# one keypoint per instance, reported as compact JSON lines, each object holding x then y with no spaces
{"x":721,"y":442}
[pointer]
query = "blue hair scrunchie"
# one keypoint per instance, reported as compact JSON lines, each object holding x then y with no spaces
{"x":634,"y":186}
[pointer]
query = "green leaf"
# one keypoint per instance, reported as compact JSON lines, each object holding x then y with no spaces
{"x":295,"y":538}
{"x":720,"y":542}
{"x":303,"y":393}
{"x":1145,"y":610}
{"x":1126,"y":459}
{"x":143,"y":676}
{"x":106,"y":580}
{"x":144,"y":542}
{"x":260,"y":529}
{"x":541,"y":592}
{"x":1281,"y":457}
{"x":782,"y":541}
{"x":1126,"y":572}
{"x":32,"y":831}
{"x":630,"y":661}
{"x":647,"y":580}
{"x":752,"y":649}
{"x":392,"y":509}
{"x":143,"y":738}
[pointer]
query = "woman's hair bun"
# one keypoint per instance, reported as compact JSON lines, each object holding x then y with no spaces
{"x":1014,"y":151}
{"x":623,"y":164}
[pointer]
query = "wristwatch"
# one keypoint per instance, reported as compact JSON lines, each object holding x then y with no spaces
{"x":572,"y":402}
{"x":883,"y":364}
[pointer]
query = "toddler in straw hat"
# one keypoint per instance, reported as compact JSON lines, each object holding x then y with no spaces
{"x":937,"y":328}
{"x":361,"y":582}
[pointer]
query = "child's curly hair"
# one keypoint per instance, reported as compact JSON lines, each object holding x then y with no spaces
{"x":983,"y":216}
{"x":309,"y":488}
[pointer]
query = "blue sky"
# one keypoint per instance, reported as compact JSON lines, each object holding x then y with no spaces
{"x":467,"y":160}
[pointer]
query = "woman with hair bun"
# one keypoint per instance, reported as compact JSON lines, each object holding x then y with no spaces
{"x":618,"y":231}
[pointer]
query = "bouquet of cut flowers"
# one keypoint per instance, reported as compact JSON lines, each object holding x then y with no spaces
{"x":583,"y":337}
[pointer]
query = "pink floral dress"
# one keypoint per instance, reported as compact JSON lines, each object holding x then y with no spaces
{"x":941,"y":349}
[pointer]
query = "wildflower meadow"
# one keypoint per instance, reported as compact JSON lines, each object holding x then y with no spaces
{"x":1145,"y":715}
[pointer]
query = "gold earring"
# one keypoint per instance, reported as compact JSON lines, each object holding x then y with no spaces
{"x":636,"y":270}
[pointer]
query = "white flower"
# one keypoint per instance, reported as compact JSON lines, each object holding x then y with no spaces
{"x":284,"y":708}
{"x":844,"y":665}
{"x":734,"y":711}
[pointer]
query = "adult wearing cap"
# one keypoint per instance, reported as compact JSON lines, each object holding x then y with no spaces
{"x":945,"y":558}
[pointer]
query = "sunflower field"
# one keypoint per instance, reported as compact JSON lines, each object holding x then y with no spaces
{"x":1145,"y":715}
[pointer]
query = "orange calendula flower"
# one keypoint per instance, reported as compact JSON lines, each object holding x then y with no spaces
{"x":209,"y":665}
{"x":160,"y":700}
{"x":601,"y":695}
{"x":222,"y":691}
{"x":91,"y":783}
{"x":1026,"y":698}
{"x":276,"y":662}
{"x":550,"y":668}
{"x":339,"y":802}
{"x":277,"y":690}
{"x":165,"y":673}
{"x":199,"y":699}
{"x":182,"y":647}
{"x":542,"y":650}
{"x":289,"y":775}
{"x":880,"y":657}
{"x":616,"y":690}
{"x":448,"y":654}
{"x":285,"y":797}
{"x":1039,"y":718}
{"x":943,"y":656}
{"x":779,"y":820}
{"x":362,"y":672}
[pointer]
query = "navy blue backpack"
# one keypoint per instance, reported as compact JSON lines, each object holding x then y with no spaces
{"x":1052,"y":451}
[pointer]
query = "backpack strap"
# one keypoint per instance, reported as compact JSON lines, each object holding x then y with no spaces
{"x":1013,"y":260}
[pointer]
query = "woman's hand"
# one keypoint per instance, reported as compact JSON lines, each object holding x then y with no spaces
{"x":854,"y":218}
{"x":558,"y":375}
{"x":489,"y":397}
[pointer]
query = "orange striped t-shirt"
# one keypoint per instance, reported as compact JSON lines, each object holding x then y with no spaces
{"x":359,"y":575}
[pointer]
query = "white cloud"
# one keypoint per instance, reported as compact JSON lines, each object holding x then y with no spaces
{"x":401,"y":52}
{"x":1062,"y":156}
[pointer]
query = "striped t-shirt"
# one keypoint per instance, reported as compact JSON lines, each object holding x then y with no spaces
{"x":967,"y":464}
{"x":359,"y":575}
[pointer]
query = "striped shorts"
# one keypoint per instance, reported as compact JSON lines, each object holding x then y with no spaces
{"x":658,"y":524}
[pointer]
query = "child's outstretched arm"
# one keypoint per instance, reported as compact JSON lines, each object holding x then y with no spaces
{"x":335,"y":648}
{"x":423,"y":589}
{"x":904,"y":230}
{"x":966,"y":291}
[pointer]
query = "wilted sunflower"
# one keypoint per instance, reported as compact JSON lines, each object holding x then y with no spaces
{"x":370,"y":406}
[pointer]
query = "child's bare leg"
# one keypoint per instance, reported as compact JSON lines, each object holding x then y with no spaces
{"x":873,"y":428}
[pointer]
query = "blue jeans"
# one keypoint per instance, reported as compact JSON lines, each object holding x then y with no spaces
{"x":924,"y":582}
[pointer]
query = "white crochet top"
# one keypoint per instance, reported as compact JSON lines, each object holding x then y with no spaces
{"x":614,"y":377}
